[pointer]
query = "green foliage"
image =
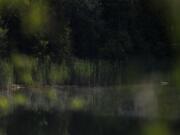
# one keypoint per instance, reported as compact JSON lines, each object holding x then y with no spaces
{"x":52,"y":33}
{"x":84,"y":29}
{"x":3,"y":41}
{"x":176,"y":75}
{"x":36,"y":18}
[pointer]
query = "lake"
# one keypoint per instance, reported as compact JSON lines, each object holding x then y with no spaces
{"x":149,"y":107}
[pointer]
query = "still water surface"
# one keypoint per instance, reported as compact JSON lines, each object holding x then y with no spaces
{"x":149,"y":107}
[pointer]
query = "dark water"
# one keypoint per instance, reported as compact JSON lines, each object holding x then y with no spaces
{"x":150,"y":107}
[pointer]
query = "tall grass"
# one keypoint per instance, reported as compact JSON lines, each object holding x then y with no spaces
{"x":29,"y":71}
{"x":6,"y":73}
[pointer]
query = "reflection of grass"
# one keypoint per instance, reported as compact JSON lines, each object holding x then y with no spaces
{"x":19,"y":99}
{"x":77,"y":103}
{"x":52,"y":95}
{"x":4,"y":105}
{"x":156,"y":129}
{"x":39,"y":100}
{"x":34,"y":14}
{"x":2,"y":132}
